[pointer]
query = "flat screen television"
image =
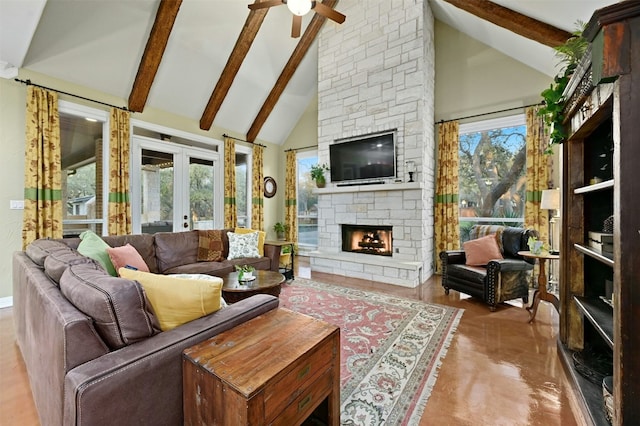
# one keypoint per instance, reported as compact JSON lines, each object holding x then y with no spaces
{"x":365,"y":158}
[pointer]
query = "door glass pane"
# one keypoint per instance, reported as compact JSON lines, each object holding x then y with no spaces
{"x":242,"y":190}
{"x":81,"y":144}
{"x":307,"y":204}
{"x":201,"y":179}
{"x":156,"y":180}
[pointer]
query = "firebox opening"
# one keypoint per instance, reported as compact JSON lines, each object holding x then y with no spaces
{"x":367,"y":239}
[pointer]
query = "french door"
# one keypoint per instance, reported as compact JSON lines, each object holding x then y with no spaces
{"x":174,"y":187}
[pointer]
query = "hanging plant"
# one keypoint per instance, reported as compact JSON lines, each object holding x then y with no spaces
{"x":570,"y":54}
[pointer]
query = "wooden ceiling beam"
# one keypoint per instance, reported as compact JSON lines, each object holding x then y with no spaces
{"x":513,"y":21}
{"x":238,"y":54}
{"x":298,"y":54}
{"x":153,"y":52}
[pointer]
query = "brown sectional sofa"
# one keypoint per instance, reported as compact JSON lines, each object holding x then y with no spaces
{"x":114,"y":367}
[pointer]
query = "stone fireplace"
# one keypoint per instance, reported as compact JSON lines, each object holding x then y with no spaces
{"x":366,"y":239}
{"x":377,"y":74}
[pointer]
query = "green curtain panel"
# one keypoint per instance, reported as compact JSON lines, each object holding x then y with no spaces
{"x":230,"y":209}
{"x":119,"y":203}
{"x":290,"y":202}
{"x":537,"y":173}
{"x":447,"y":228}
{"x":42,"y":216}
{"x":257,"y":189}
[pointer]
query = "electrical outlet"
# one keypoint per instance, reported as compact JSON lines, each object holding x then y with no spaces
{"x":397,"y":250}
{"x":16,"y":204}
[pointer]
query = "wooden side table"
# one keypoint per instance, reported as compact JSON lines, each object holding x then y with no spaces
{"x":541,"y":293}
{"x":287,"y":271}
{"x":274,"y":369}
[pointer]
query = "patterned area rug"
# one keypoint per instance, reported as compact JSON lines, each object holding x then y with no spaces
{"x":391,"y":348}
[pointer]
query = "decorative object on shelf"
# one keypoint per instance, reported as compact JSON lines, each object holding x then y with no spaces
{"x":570,"y":54}
{"x":535,"y":245}
{"x":245,"y":273}
{"x":317,"y":174}
{"x":607,"y":226}
{"x":270,"y":187}
{"x":280,"y":228}
{"x":411,"y":169}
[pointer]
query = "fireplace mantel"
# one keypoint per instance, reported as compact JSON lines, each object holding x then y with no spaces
{"x":367,"y":188}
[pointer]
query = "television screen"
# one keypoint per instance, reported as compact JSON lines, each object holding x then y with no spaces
{"x":370,"y":157}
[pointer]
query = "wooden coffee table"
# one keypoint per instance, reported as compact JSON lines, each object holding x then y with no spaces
{"x":266,"y":282}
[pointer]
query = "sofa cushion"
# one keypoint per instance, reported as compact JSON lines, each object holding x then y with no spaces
{"x":94,"y":247}
{"x":178,"y":300}
{"x":119,"y":308}
{"x":211,"y":245}
{"x":176,"y":248}
{"x":127,"y":255}
{"x":38,"y":250}
{"x":143,"y":243}
{"x":243,"y":245}
{"x":480,"y":251}
{"x":478,"y":231}
{"x":261,"y":237}
{"x":57,"y":262}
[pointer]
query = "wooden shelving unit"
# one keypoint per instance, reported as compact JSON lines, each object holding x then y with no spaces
{"x":603,"y":110}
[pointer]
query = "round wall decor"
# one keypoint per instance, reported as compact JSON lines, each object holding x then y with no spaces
{"x":270,"y":187}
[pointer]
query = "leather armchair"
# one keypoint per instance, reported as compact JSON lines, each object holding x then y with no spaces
{"x":501,"y":279}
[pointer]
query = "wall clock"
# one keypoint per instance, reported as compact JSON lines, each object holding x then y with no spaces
{"x":270,"y":187}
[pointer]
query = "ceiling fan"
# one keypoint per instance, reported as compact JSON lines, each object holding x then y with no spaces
{"x":299,"y":8}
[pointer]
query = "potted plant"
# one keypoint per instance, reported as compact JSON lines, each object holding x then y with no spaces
{"x":570,"y":53}
{"x":285,"y":256}
{"x":317,"y":174}
{"x":245,"y":272}
{"x":280,"y":228}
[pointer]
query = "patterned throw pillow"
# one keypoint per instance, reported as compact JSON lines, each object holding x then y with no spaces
{"x":210,"y":246}
{"x":243,"y":245}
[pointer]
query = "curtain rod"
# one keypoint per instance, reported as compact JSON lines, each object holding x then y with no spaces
{"x":29,"y":83}
{"x":489,"y":113}
{"x":298,"y":149}
{"x":224,"y":135}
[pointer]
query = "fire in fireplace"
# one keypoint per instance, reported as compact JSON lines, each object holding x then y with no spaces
{"x":367,"y":239}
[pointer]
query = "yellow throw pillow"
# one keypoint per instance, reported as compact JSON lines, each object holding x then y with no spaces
{"x":177,"y":300}
{"x":261,"y":237}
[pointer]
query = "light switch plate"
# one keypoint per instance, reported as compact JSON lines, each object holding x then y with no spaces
{"x":16,"y":204}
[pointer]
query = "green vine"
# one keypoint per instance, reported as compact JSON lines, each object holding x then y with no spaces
{"x":570,"y":54}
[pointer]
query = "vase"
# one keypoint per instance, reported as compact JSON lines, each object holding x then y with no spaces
{"x":321,"y":182}
{"x":536,"y":247}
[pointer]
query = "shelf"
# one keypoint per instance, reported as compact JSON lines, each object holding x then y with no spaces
{"x":390,"y":186}
{"x":595,"y":187}
{"x":599,"y":314}
{"x":590,"y":394}
{"x":605,"y":258}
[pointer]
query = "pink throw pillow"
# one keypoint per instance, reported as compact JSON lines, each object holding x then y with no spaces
{"x":127,"y":255}
{"x":480,"y":251}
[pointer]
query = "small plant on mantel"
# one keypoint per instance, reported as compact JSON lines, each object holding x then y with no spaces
{"x":570,"y":53}
{"x":317,"y":174}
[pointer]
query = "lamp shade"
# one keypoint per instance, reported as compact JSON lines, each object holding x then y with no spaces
{"x":299,"y":7}
{"x":550,"y":199}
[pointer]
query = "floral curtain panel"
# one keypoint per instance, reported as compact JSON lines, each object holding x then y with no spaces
{"x":290,"y":201}
{"x":230,"y":209}
{"x":257,"y":189}
{"x":119,"y":203}
{"x":43,"y":207}
{"x":447,"y":233}
{"x":537,"y":174}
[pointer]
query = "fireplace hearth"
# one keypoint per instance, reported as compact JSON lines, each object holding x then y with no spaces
{"x":367,"y":239}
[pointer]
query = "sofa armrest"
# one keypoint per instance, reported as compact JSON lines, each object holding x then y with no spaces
{"x":452,"y":257}
{"x":142,"y":383}
{"x":273,"y":252}
{"x":502,"y":265}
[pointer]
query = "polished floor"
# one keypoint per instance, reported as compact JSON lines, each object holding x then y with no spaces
{"x":499,"y":369}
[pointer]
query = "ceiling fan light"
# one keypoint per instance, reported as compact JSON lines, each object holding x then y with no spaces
{"x":299,"y":7}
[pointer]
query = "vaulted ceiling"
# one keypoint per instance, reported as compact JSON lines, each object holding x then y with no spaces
{"x":217,"y":62}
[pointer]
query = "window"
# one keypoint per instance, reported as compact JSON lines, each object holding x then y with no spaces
{"x":243,"y":186}
{"x":307,"y":202}
{"x":492,"y":173}
{"x":82,"y":132}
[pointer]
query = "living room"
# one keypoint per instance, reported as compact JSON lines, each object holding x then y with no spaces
{"x":468,"y":77}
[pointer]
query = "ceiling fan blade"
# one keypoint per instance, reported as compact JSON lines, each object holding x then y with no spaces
{"x":296,"y":26}
{"x":328,"y":12}
{"x":265,"y":4}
